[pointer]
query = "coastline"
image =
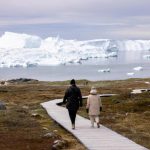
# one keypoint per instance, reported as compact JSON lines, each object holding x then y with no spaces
{"x":79,"y":72}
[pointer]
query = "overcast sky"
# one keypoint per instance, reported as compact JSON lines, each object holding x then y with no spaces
{"x":77,"y":19}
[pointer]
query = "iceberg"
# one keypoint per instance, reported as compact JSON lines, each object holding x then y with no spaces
{"x":23,"y":50}
{"x":139,"y":68}
{"x":130,"y":73}
{"x":104,"y":70}
{"x":15,"y":40}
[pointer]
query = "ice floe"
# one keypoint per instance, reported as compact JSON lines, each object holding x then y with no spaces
{"x":130,"y":73}
{"x":139,"y":68}
{"x":23,"y":50}
{"x":104,"y":70}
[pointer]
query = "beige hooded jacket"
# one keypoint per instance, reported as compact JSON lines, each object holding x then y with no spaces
{"x":94,"y":103}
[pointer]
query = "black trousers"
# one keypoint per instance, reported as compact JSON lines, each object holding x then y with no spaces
{"x":72,"y":115}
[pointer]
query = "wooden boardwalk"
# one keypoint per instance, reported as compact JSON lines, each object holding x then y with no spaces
{"x":92,"y":138}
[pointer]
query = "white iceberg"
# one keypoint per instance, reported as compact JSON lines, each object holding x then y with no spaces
{"x":130,"y":73}
{"x":12,"y":40}
{"x":104,"y":70}
{"x":23,"y":50}
{"x":139,"y":68}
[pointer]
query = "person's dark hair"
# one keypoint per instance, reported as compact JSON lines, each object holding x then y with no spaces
{"x":72,"y":81}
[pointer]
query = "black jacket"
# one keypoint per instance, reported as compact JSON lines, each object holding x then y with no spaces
{"x":73,"y":98}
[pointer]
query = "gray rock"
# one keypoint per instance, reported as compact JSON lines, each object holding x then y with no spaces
{"x":57,"y":141}
{"x":59,"y":144}
{"x":2,"y":106}
{"x":44,"y":128}
{"x":22,"y":80}
{"x":36,"y":115}
{"x":55,"y":131}
{"x":50,"y":135}
{"x":55,"y":147}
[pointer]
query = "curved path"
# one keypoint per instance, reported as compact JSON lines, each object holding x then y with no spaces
{"x":92,"y":138}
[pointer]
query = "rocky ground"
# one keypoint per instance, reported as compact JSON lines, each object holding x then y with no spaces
{"x":24,"y":124}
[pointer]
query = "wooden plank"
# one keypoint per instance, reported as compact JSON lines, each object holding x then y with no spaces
{"x":100,"y":95}
{"x":93,"y":138}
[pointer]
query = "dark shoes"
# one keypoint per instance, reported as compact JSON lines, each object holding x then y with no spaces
{"x":73,"y":126}
{"x":98,"y":125}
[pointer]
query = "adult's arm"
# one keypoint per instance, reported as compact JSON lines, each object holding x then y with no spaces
{"x":65,"y":96}
{"x":80,"y":98}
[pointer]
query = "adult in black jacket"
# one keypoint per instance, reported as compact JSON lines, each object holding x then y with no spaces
{"x":73,"y":99}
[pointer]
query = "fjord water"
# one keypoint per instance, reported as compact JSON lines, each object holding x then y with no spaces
{"x":119,"y":67}
{"x":55,"y":59}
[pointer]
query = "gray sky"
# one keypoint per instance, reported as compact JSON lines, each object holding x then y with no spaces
{"x":77,"y":19}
